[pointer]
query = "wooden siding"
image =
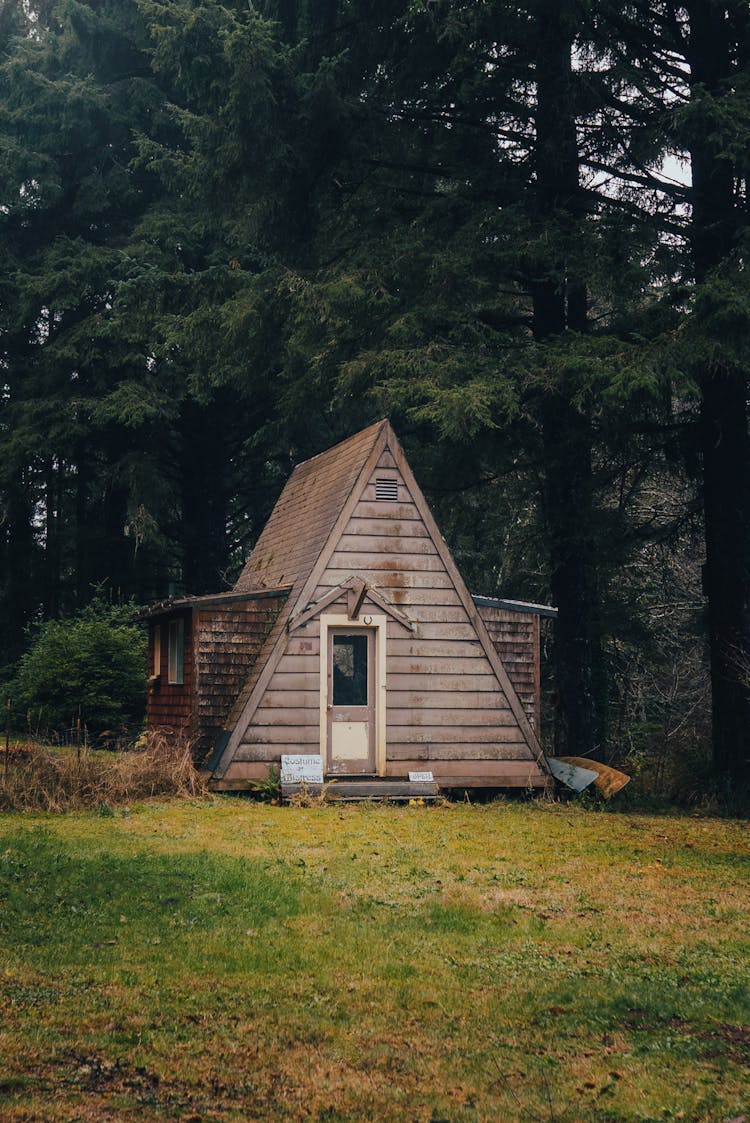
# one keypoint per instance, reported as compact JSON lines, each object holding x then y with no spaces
{"x":443,"y":669}
{"x":227,"y":641}
{"x":170,"y":705}
{"x":287,"y":720}
{"x":450,"y":774}
{"x":221,"y":642}
{"x":515,"y":637}
{"x":445,"y":705}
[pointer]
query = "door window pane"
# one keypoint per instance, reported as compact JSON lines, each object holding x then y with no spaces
{"x":349,"y":670}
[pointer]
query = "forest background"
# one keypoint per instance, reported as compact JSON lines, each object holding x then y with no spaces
{"x":234,"y":233}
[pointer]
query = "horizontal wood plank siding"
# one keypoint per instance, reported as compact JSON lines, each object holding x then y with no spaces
{"x":403,"y":645}
{"x":272,"y":751}
{"x":293,"y":716}
{"x":239,"y":773}
{"x":390,"y":579}
{"x":395,"y":563}
{"x":498,"y":774}
{"x":443,"y":699}
{"x":356,"y":544}
{"x":510,"y":750}
{"x":275,"y":700}
{"x":282,"y":734}
{"x":480,"y":716}
{"x":305,"y":642}
{"x":288,"y":716}
{"x":476,"y":774}
{"x":384,"y":529}
{"x":446,"y":709}
{"x":433,"y":699}
{"x":445,"y":735}
{"x":439,"y":665}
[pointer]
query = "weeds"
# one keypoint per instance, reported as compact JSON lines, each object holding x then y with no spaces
{"x":40,"y":779}
{"x":310,"y":796}
{"x":269,"y":789}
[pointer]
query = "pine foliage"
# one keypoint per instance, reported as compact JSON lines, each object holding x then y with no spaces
{"x":234,"y":233}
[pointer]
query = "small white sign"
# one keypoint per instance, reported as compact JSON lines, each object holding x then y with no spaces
{"x":421,"y":778}
{"x":302,"y":769}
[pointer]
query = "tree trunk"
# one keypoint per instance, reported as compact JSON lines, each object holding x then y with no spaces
{"x":724,"y":421}
{"x":204,"y":431}
{"x":559,"y":304}
{"x":53,"y":475}
{"x":19,"y":569}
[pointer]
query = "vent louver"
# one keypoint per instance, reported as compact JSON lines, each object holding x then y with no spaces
{"x":386,"y":490}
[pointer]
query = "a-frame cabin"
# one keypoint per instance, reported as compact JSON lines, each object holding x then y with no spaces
{"x":351,"y":634}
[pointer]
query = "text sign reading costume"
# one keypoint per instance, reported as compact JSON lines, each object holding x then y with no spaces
{"x":302,"y":769}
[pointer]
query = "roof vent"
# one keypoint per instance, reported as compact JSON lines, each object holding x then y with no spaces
{"x":386,"y":490}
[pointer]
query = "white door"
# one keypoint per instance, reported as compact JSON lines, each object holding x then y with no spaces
{"x":351,"y":701}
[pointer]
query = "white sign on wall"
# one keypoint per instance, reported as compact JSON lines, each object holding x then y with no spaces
{"x":421,"y":778}
{"x":299,"y":769}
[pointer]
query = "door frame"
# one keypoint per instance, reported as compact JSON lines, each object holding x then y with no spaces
{"x":368,"y":623}
{"x":339,"y":714}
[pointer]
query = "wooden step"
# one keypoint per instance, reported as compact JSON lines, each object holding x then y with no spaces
{"x":351,"y":791}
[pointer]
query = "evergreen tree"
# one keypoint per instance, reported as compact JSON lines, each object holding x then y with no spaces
{"x":716,"y":129}
{"x":689,"y":64}
{"x":236,"y":232}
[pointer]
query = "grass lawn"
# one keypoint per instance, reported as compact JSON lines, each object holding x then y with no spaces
{"x":236,"y":961}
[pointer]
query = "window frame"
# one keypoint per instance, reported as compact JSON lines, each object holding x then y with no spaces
{"x":156,"y":650}
{"x":176,"y":652}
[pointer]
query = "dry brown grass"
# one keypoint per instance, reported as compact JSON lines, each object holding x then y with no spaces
{"x":41,"y":779}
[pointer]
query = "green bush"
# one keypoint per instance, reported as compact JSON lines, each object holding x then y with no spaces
{"x":89,"y":670}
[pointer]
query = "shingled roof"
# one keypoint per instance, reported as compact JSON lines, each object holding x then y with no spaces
{"x":300,"y":526}
{"x":306,"y":513}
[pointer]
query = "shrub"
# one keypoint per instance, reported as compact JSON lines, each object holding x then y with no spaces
{"x":88,"y":671}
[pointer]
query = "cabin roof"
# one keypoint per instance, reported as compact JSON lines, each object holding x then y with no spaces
{"x":524,"y":606}
{"x":300,"y":527}
{"x":306,"y":513}
{"x":165,"y":607}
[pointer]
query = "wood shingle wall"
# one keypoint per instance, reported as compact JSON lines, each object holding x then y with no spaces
{"x":228,"y":639}
{"x":170,"y":705}
{"x":221,"y":642}
{"x":516,"y":638}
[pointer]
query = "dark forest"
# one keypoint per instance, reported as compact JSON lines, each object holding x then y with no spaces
{"x":233,"y":234}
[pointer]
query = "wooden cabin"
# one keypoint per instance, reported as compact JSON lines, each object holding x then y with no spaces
{"x":351,"y":634}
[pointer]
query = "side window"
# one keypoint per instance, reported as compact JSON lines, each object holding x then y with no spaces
{"x":157,"y":650}
{"x":176,"y":649}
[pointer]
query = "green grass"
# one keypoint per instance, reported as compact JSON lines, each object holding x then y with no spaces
{"x":235,"y":961}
